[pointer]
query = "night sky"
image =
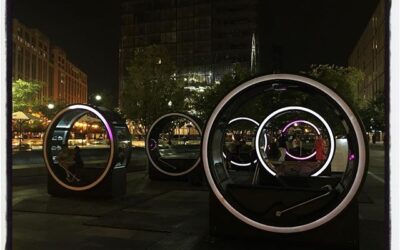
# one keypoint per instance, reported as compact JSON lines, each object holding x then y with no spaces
{"x":87,"y":30}
{"x":295,"y":34}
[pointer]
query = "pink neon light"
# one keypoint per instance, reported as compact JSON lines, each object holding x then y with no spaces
{"x":306,"y":122}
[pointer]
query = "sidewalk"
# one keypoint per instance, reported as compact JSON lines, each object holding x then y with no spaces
{"x":153,"y":215}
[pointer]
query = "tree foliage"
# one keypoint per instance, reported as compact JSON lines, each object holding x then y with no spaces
{"x":205,"y":102}
{"x":44,"y":109}
{"x":373,"y":113}
{"x":23,"y":95}
{"x":107,"y":99}
{"x":342,"y":79}
{"x":151,"y":86}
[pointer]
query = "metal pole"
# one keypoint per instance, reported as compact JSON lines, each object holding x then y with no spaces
{"x":20,"y":134}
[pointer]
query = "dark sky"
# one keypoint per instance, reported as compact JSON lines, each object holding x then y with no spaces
{"x":87,"y":30}
{"x":295,"y":33}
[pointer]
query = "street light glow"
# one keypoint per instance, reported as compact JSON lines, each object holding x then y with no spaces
{"x":98,"y":97}
{"x":50,"y":106}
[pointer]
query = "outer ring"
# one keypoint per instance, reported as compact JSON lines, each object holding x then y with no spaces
{"x":148,"y":138}
{"x":242,"y":119}
{"x":110,"y":158}
{"x":276,"y":112}
{"x":361,"y":168}
{"x":306,"y":122}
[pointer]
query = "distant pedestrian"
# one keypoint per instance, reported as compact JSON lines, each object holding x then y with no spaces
{"x":282,"y":147}
{"x":319,"y":146}
{"x":296,"y":146}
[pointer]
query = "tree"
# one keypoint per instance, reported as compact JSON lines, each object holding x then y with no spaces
{"x":151,"y":88}
{"x":205,"y":102}
{"x":23,"y":94}
{"x":373,"y":114}
{"x":342,"y":79}
{"x":49,"y":112}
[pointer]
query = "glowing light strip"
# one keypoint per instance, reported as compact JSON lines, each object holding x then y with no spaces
{"x":292,"y":108}
{"x":97,"y":113}
{"x":148,"y":144}
{"x":242,"y":118}
{"x":301,"y":121}
{"x":306,"y":122}
{"x":354,"y":122}
{"x":109,"y":132}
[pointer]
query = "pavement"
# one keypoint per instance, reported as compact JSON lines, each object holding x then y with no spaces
{"x":153,"y":215}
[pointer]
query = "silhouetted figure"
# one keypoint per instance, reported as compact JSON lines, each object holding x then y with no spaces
{"x":319,"y":146}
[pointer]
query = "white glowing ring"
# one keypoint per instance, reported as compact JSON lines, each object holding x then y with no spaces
{"x":291,"y":108}
{"x":148,"y":139}
{"x":110,"y":135}
{"x":306,"y":122}
{"x":361,"y":144}
{"x":235,"y":120}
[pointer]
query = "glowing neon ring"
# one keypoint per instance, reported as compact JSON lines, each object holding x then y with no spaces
{"x":306,"y":122}
{"x":291,"y":108}
{"x":242,"y":119}
{"x":354,"y":122}
{"x":110,"y":136}
{"x":148,"y":139}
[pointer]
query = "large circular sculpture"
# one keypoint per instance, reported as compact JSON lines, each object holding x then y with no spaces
{"x":83,"y":143}
{"x":173,"y":144}
{"x":301,"y":193}
{"x":261,"y":153}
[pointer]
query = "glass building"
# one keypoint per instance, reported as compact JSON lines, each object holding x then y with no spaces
{"x":204,"y":37}
{"x":369,"y":55}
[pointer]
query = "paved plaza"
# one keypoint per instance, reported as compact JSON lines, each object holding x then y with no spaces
{"x":152,"y":215}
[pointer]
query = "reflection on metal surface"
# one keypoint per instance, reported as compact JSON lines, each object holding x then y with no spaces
{"x":173,"y":144}
{"x":288,"y":187}
{"x":288,"y":109}
{"x":82,"y":144}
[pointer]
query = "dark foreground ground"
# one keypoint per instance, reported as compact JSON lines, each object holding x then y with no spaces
{"x":152,"y":215}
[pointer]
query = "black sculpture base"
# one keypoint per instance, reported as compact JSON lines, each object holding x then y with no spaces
{"x":113,"y":185}
{"x":340,"y":233}
{"x":194,"y":177}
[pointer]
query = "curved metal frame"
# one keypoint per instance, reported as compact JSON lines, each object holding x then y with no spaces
{"x":361,"y":143}
{"x":277,"y":112}
{"x":306,"y":122}
{"x":109,"y":128}
{"x":148,"y":138}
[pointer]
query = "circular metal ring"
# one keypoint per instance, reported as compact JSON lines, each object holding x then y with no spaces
{"x":151,"y":142}
{"x":54,"y":124}
{"x":360,"y":143}
{"x":291,"y":108}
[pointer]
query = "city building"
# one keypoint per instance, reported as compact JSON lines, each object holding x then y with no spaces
{"x":369,"y":55}
{"x":204,"y":37}
{"x":35,"y":59}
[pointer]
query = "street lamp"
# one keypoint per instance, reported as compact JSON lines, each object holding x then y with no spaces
{"x":170,"y":104}
{"x":98,"y":97}
{"x":50,"y":106}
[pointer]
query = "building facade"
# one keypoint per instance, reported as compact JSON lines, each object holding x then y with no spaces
{"x":35,"y":59}
{"x":204,"y":37}
{"x":369,"y":55}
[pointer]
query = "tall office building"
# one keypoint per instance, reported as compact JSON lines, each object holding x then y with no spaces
{"x":369,"y":55}
{"x":204,"y":37}
{"x":35,"y":59}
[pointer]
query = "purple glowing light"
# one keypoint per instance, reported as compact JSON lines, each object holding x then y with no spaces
{"x":300,"y":121}
{"x":296,"y":122}
{"x":352,"y":157}
{"x":97,"y":113}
